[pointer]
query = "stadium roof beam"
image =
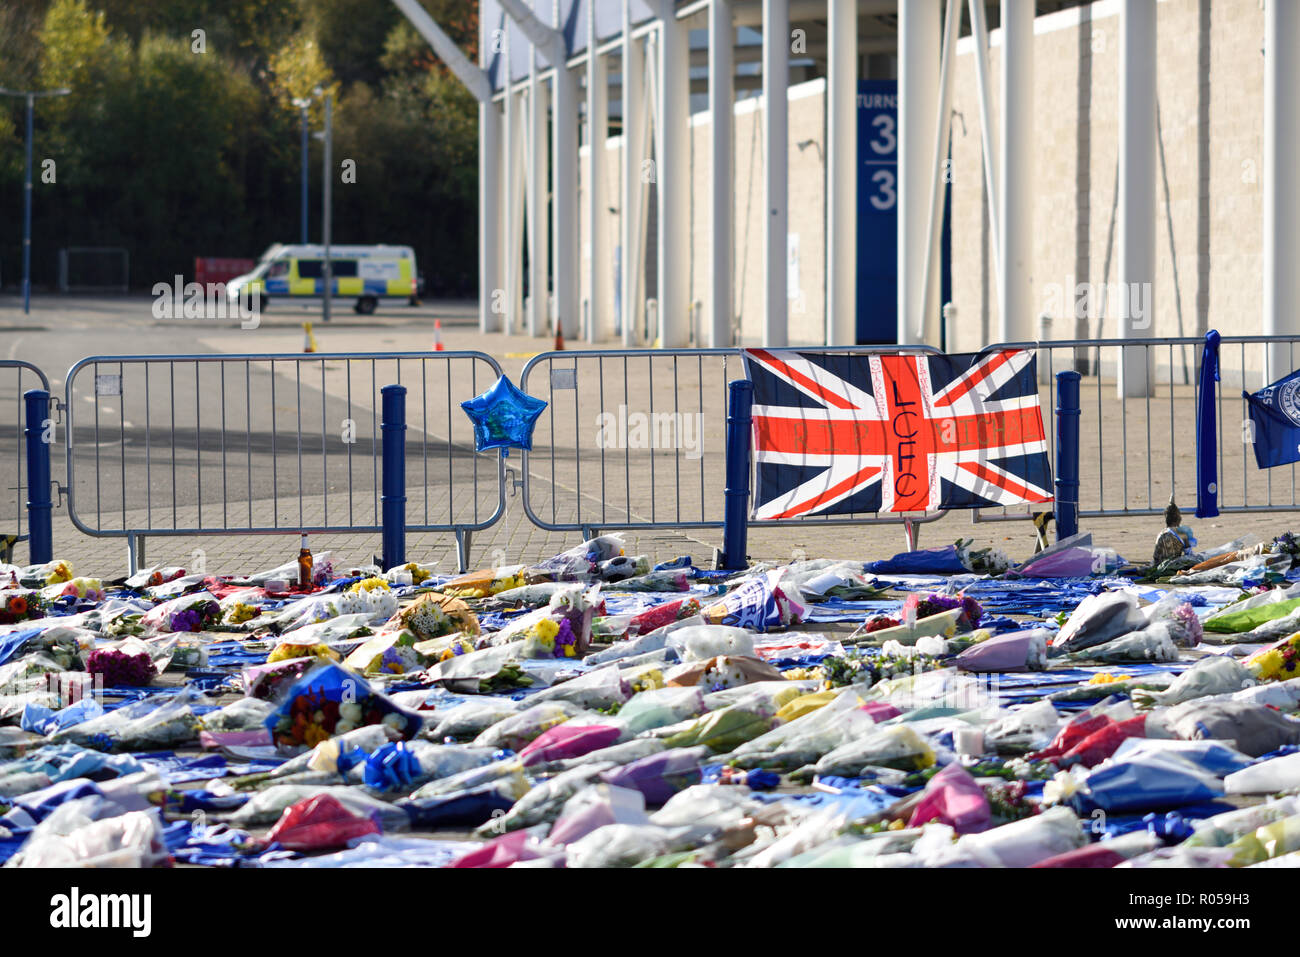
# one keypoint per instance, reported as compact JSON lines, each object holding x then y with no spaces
{"x":751,"y":13}
{"x":492,"y":167}
{"x":474,"y":78}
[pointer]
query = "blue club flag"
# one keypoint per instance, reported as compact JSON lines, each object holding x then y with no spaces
{"x":1275,"y":420}
{"x":1207,"y":444}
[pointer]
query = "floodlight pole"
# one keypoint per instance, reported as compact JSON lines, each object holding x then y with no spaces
{"x":30,"y":96}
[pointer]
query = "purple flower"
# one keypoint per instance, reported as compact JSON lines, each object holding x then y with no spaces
{"x":564,"y":637}
{"x":187,"y":620}
{"x":120,"y":669}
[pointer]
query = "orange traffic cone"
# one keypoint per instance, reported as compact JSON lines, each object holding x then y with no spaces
{"x":437,"y":335}
{"x":559,"y":336}
{"x":308,"y":340}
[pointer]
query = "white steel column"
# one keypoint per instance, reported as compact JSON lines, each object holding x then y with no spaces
{"x":842,"y":174}
{"x":722,"y":36}
{"x":550,"y":41}
{"x":1281,"y":187}
{"x":918,"y":96}
{"x":539,"y":172}
{"x":489,"y":214}
{"x":980,"y":34}
{"x":631,"y":287}
{"x":1137,"y":188}
{"x":673,"y":179}
{"x":938,"y":193}
{"x":1016,"y":171}
{"x":564,"y":178}
{"x":597,"y":132}
{"x":776,"y":166}
{"x":513,"y":152}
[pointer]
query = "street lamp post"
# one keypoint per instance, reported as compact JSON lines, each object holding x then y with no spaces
{"x":30,"y":96}
{"x":303,"y":103}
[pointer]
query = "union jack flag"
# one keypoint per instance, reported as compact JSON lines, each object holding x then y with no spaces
{"x":837,"y":434}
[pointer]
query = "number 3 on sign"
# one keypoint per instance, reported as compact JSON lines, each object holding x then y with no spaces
{"x":886,"y":198}
{"x":887,"y":141}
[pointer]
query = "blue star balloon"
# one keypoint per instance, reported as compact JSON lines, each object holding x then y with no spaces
{"x":503,"y":417}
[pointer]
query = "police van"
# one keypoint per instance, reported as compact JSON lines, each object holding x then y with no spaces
{"x":369,"y":273}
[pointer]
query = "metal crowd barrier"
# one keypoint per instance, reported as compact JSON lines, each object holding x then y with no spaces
{"x":16,"y":376}
{"x":630,"y":439}
{"x":196,"y":445}
{"x":636,"y":439}
{"x":1137,"y":451}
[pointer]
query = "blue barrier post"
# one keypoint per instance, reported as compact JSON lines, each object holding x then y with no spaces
{"x":735,"y":531}
{"x":394,"y":481}
{"x":1207,"y":439}
{"x":1067,"y":454}
{"x":39,"y":507}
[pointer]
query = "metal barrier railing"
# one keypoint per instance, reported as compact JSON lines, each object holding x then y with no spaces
{"x":195,"y":445}
{"x":1137,"y":450}
{"x":16,"y":376}
{"x":636,"y":438}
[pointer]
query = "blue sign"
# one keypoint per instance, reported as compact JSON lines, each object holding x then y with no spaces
{"x":878,"y":215}
{"x":877,"y":211}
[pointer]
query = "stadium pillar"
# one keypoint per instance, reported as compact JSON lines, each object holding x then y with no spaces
{"x":1016,"y":189}
{"x":630,"y":240}
{"x":842,"y":174}
{"x":539,"y":173}
{"x":1137,"y":190}
{"x":512,"y":200}
{"x":564,"y":217}
{"x":597,"y":132}
{"x":1281,"y":185}
{"x":918,"y":103}
{"x":776,"y":150}
{"x":980,"y":33}
{"x":673,"y":178}
{"x":489,"y":213}
{"x":721,"y":111}
{"x":938,"y":179}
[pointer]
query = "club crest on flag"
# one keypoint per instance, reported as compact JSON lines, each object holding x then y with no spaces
{"x":842,"y":434}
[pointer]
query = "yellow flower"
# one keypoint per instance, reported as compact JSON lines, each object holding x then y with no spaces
{"x":418,"y":574}
{"x":547,"y":629}
{"x":1105,"y":679}
{"x":241,"y":613}
{"x":370,"y":584}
